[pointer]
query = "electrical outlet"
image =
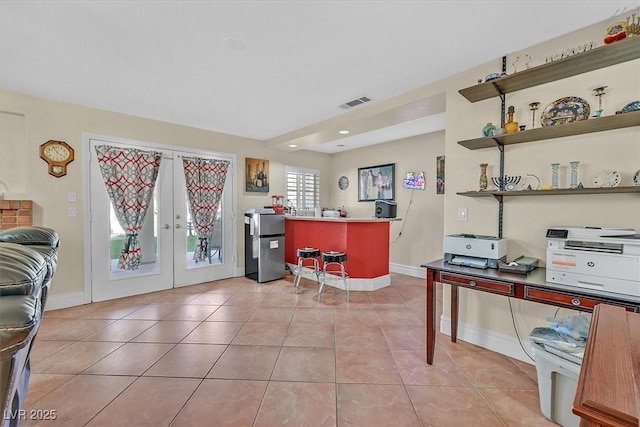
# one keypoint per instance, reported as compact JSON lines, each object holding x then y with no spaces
{"x":462,"y":214}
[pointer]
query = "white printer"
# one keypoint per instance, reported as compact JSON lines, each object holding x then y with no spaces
{"x":473,"y":250}
{"x":606,"y":259}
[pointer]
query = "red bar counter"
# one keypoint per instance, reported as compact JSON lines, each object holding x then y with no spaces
{"x":364,"y":240}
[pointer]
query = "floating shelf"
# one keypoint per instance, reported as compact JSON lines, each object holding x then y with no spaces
{"x":600,"y":57}
{"x":558,"y":192}
{"x":599,"y":124}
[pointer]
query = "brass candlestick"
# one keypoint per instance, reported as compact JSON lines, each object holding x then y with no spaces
{"x":599,"y":91}
{"x":533,"y":106}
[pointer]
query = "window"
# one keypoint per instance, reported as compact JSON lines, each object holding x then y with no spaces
{"x":303,"y":187}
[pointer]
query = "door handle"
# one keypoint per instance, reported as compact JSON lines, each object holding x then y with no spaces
{"x":178,"y":226}
{"x":166,"y":226}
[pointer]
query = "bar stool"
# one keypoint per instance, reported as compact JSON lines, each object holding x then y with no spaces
{"x":310,"y":255}
{"x":334,"y":269}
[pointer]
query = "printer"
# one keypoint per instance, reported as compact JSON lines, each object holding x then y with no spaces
{"x":473,"y":250}
{"x":604,"y":259}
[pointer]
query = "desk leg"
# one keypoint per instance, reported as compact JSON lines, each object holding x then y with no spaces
{"x":454,"y":313}
{"x":431,"y":314}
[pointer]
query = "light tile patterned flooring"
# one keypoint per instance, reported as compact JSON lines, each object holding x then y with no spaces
{"x":238,"y":353}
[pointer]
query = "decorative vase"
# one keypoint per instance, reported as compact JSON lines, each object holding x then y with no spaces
{"x":483,"y":176}
{"x":574,"y":174}
{"x":488,"y":129}
{"x":554,"y":175}
{"x":510,"y":126}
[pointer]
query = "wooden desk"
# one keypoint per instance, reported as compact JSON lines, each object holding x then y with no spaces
{"x":530,"y":287}
{"x":608,"y":392}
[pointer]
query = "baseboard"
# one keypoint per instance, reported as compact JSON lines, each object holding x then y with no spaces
{"x":70,"y":299}
{"x":491,"y":340}
{"x":408,"y":270}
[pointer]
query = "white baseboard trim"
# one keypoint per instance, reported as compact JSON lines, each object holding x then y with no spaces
{"x":70,"y":299}
{"x":355,"y":284}
{"x":491,"y":340}
{"x":408,"y":270}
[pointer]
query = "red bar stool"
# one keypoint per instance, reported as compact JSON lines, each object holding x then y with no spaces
{"x":334,"y":269}
{"x":310,"y":256}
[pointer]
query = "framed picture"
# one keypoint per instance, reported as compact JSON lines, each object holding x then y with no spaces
{"x":256,"y":175}
{"x":376,"y":183}
{"x":440,"y":175}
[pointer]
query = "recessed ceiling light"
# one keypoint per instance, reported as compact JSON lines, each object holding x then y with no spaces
{"x":293,"y":145}
{"x":344,"y":132}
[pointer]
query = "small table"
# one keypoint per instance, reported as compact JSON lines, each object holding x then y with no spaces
{"x":530,"y":287}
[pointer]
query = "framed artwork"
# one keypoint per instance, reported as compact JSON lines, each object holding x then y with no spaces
{"x":376,"y":183}
{"x":256,"y":175}
{"x":440,"y":175}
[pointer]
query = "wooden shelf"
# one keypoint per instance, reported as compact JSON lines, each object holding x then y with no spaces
{"x":599,"y":124}
{"x":559,"y":192}
{"x":600,"y":57}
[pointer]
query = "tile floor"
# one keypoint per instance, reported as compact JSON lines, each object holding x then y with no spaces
{"x":237,"y":353}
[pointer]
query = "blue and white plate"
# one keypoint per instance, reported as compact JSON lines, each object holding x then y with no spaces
{"x":632,"y":106}
{"x":565,"y":110}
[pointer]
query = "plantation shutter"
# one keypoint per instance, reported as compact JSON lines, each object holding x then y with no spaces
{"x":303,"y":188}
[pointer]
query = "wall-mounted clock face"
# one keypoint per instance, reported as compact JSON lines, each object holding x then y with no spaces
{"x":343,"y":183}
{"x":57,"y":154}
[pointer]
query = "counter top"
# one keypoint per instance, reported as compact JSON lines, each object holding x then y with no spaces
{"x":341,"y":219}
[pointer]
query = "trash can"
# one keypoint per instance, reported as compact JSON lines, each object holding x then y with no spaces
{"x":557,"y":373}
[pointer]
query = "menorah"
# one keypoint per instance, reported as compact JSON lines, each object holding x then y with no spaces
{"x":506,"y":182}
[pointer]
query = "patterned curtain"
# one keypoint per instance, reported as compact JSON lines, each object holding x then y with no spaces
{"x":205,"y":182}
{"x":130,"y":177}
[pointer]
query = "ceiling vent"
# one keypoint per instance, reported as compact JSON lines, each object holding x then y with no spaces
{"x":355,"y":103}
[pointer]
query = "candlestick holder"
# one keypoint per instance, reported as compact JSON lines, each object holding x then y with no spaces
{"x":554,"y":175}
{"x":599,"y":91}
{"x":574,"y":173}
{"x":533,"y":107}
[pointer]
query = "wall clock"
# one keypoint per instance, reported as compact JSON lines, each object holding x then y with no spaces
{"x":57,"y":154}
{"x":343,"y":182}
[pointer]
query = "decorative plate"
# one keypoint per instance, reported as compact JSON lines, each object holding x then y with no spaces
{"x":343,"y":182}
{"x":636,"y":178}
{"x":565,"y":110}
{"x":607,"y":179}
{"x":632,"y":106}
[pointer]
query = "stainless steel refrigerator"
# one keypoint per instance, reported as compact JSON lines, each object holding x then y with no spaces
{"x":264,"y":246}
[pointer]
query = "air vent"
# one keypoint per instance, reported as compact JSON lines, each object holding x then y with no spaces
{"x":354,"y":103}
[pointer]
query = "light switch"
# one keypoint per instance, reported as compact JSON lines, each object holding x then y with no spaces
{"x":73,"y":212}
{"x":462,"y":214}
{"x":73,"y":196}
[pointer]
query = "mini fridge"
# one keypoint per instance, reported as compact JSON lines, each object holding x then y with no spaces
{"x":264,"y":246}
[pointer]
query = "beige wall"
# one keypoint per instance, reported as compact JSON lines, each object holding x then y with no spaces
{"x":45,"y":120}
{"x":418,"y":237}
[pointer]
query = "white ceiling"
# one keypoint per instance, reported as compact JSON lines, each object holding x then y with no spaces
{"x":264,"y":69}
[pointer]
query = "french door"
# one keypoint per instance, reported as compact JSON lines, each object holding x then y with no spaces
{"x":167,"y":237}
